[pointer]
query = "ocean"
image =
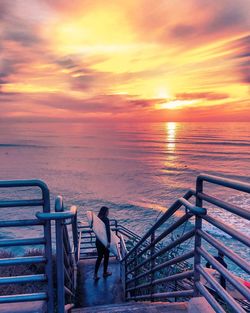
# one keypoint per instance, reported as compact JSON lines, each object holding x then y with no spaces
{"x":137,"y":169}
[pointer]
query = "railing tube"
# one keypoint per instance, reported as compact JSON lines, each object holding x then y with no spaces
{"x":197,"y":241}
{"x":48,"y":247}
{"x":59,"y":258}
{"x":124,"y":278}
{"x":136,"y":271}
{"x":152,"y":265}
{"x":116,"y":227}
{"x":75,"y":234}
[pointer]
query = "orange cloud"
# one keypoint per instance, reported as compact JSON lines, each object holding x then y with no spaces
{"x":129,"y":60}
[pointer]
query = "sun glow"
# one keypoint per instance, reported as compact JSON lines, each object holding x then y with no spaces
{"x":175,"y":104}
{"x":162,"y":93}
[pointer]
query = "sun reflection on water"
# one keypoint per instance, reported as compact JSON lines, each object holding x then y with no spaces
{"x":171,"y":134}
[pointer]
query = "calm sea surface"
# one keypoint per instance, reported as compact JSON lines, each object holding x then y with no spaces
{"x":138,"y":170}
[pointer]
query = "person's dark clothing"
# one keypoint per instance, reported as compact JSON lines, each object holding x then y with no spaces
{"x":107,"y":226}
{"x":102,"y":251}
{"x":221,"y":261}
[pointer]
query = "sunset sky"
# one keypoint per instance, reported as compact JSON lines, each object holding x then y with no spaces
{"x":143,"y":60}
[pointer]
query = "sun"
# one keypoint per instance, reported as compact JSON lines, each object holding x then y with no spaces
{"x":175,"y":104}
{"x":162,"y":93}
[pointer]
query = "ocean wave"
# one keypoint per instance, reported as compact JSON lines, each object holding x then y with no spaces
{"x":15,"y":145}
{"x":220,"y":143}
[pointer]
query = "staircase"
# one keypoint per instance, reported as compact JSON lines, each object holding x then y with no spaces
{"x":106,"y":295}
{"x":167,"y":263}
{"x":162,"y":271}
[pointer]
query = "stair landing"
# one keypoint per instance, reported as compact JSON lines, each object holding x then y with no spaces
{"x":104,"y":291}
{"x":106,"y":295}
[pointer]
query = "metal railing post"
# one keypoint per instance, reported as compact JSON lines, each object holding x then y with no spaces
{"x":197,"y":241}
{"x":48,"y":247}
{"x":75,"y":236}
{"x":124,"y":277}
{"x":59,"y":258}
{"x":116,"y":227}
{"x":136,"y":270}
{"x":152,"y":265}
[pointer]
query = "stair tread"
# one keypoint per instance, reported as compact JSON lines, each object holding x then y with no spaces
{"x":136,"y":307}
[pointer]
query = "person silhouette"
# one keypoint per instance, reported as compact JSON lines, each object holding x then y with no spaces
{"x":103,"y":251}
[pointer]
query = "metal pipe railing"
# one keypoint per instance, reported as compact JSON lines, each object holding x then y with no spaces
{"x":173,"y":208}
{"x":190,"y":209}
{"x":170,"y":278}
{"x":145,"y":259}
{"x":164,"y":295}
{"x":66,"y":256}
{"x":45,"y":241}
{"x":201,"y":252}
{"x":24,"y":297}
{"x":161,"y":251}
{"x":221,"y":291}
{"x":175,"y":260}
{"x":226,"y":274}
{"x":170,"y":229}
{"x":221,"y":181}
{"x":22,"y":260}
{"x":224,"y":205}
{"x":228,"y":230}
{"x":21,"y":223}
{"x":22,"y":242}
{"x":60,"y":278}
{"x":226,"y":251}
{"x":20,"y":203}
{"x":23,"y":279}
{"x":139,"y":268}
{"x":211,"y":300}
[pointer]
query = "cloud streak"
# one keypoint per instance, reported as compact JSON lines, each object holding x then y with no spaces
{"x":122,"y":59}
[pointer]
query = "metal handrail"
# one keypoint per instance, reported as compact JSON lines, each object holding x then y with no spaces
{"x":163,"y":235}
{"x":200,"y":196}
{"x":46,"y":259}
{"x":173,"y":208}
{"x":190,"y":209}
{"x":55,"y":215}
{"x":226,"y":251}
{"x":220,"y":268}
{"x":66,"y":257}
{"x":140,"y":265}
{"x":67,"y":254}
{"x":150,"y":263}
{"x":86,"y":233}
{"x":221,"y":181}
{"x":220,"y":290}
{"x":224,"y":205}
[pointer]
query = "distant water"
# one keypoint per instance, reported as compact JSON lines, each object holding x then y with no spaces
{"x":138,"y":170}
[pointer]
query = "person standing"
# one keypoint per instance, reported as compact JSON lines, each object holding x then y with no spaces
{"x":103,"y":251}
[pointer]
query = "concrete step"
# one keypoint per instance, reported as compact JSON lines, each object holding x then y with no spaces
{"x":104,"y":291}
{"x":136,"y":307}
